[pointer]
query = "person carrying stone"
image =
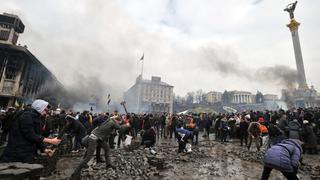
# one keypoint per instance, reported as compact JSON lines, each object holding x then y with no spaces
{"x":254,"y":133}
{"x":98,"y":136}
{"x":76,"y":129}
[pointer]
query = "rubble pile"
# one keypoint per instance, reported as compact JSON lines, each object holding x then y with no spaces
{"x":313,"y":171}
{"x":137,"y":164}
{"x":217,"y":161}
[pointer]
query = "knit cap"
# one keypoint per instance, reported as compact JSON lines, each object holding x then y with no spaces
{"x":39,"y":105}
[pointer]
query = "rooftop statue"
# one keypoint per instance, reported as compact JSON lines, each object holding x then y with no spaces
{"x":290,"y":9}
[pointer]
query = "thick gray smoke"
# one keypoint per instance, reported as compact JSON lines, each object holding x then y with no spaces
{"x":281,"y":75}
{"x":87,"y":55}
{"x":84,"y":91}
{"x":225,"y":61}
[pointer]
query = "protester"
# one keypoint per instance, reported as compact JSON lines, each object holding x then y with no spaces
{"x":76,"y":129}
{"x":98,"y":136}
{"x":25,"y":135}
{"x":254,"y":133}
{"x":309,"y":138}
{"x":183,"y":136}
{"x":243,"y":130}
{"x":284,"y":157}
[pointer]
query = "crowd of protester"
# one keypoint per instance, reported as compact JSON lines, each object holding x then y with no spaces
{"x":36,"y":125}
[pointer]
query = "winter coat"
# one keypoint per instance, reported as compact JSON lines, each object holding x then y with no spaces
{"x":308,"y":135}
{"x":274,"y":130}
{"x":104,"y":131}
{"x":24,"y":138}
{"x":284,"y":156}
{"x":244,"y":125}
{"x":283,"y":123}
{"x":254,"y":129}
{"x":97,"y":122}
{"x":62,"y":119}
{"x":149,"y":136}
{"x":294,"y":130}
{"x":74,"y":127}
{"x":184,"y":131}
{"x":224,"y":124}
{"x":85,"y":121}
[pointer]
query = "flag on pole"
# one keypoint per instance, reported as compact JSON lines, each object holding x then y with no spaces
{"x":142,"y":57}
{"x":109,"y":99}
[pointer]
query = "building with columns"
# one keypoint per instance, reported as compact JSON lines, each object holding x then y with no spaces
{"x":213,"y":97}
{"x":241,"y":97}
{"x":238,"y":97}
{"x":149,"y":96}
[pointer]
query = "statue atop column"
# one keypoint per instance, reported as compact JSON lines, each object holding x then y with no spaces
{"x":290,"y":9}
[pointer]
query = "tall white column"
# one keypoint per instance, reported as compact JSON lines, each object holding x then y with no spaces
{"x":293,"y":26}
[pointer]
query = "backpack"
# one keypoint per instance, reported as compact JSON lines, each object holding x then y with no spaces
{"x":264,"y":129}
{"x":12,"y":118}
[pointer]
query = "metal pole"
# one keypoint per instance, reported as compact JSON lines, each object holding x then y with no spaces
{"x":142,"y":68}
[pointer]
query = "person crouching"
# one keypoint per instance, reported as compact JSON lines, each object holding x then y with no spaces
{"x":183,"y":135}
{"x":285,"y":157}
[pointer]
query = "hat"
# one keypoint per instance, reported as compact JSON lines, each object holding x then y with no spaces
{"x":39,"y":105}
{"x":261,"y":119}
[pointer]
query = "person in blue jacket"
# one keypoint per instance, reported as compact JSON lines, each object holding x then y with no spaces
{"x":183,"y":135}
{"x":284,"y":157}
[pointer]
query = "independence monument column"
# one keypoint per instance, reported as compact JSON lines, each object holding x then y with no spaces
{"x":293,"y":26}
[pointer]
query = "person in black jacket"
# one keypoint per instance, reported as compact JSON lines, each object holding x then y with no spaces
{"x":76,"y":129}
{"x":243,"y":130}
{"x":62,"y":119}
{"x":25,"y":136}
{"x":97,"y":122}
{"x":7,"y":120}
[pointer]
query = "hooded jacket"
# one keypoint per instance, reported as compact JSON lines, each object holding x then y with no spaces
{"x":284,"y":156}
{"x":24,"y":138}
{"x":294,"y":130}
{"x":105,"y":129}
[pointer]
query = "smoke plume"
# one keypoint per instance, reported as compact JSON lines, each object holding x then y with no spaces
{"x":224,"y":60}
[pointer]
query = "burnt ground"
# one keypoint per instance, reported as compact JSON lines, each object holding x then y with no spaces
{"x":208,"y":160}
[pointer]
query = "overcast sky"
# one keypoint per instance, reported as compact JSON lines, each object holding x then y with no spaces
{"x":190,"y":44}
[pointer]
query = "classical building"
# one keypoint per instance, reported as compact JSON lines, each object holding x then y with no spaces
{"x":238,"y":97}
{"x":241,"y":97}
{"x":22,"y":75}
{"x":149,"y":96}
{"x":213,"y":97}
